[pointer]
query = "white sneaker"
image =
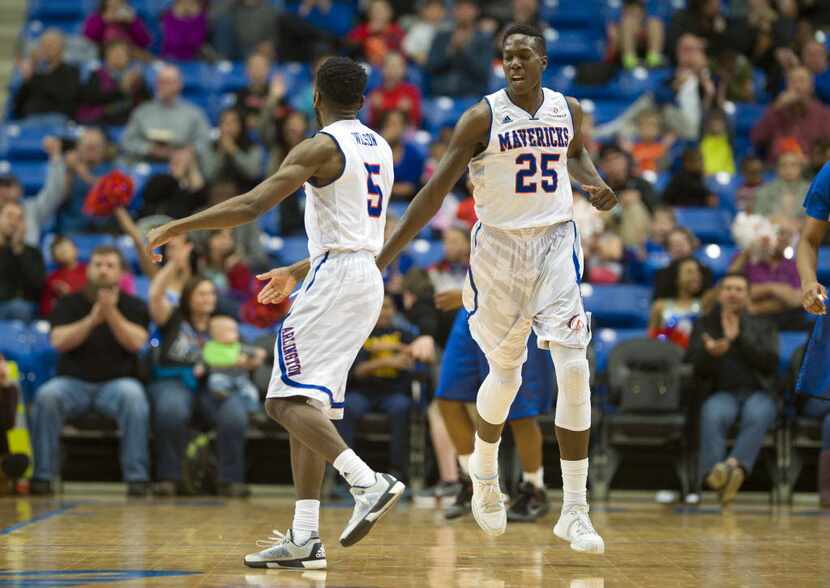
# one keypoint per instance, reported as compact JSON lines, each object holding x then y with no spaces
{"x":370,"y":504}
{"x":575,"y":526}
{"x":488,"y":506}
{"x":281,"y":551}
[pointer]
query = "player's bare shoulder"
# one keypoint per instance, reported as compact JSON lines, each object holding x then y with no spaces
{"x":473,"y":128}
{"x":323,"y":151}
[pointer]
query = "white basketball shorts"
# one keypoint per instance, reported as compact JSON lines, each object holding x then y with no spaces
{"x":329,"y":322}
{"x":523,"y":279}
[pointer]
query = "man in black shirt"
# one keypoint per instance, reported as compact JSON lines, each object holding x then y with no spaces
{"x":737,"y":355}
{"x":98,"y":333}
{"x":22,"y":271}
{"x":381,"y":381}
{"x":50,"y":86}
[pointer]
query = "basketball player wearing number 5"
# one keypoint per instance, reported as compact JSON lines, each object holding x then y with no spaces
{"x":347,"y":170}
{"x":522,"y":145}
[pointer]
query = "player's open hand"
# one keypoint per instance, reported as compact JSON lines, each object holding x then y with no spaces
{"x":813,"y":297}
{"x":601,"y":197}
{"x":160,"y":236}
{"x":280,"y":285}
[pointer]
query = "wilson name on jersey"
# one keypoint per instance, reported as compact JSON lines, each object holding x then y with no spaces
{"x":349,"y":213}
{"x":521,"y":179}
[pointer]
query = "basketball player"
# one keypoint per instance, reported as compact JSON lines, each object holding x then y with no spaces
{"x":347,"y":170}
{"x":523,"y":144}
{"x":463,"y":369}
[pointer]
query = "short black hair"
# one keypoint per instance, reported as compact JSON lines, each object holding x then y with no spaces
{"x":739,"y":275}
{"x":341,"y":81}
{"x":528,"y":30}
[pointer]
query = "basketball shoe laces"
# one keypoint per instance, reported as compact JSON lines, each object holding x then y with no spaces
{"x":274,"y":540}
{"x":491,"y":497}
{"x":581,"y":523}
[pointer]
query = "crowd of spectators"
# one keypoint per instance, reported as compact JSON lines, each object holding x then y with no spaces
{"x":672,"y":148}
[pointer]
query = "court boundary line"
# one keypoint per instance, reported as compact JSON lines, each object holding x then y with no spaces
{"x":38,"y":518}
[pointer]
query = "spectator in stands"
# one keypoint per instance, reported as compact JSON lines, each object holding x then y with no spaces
{"x":651,"y":148}
{"x":814,"y":58}
{"x":85,"y":164}
{"x":114,"y":90}
{"x":12,"y":465}
{"x":50,"y":86}
{"x":228,"y":363}
{"x":764,"y":31}
{"x":395,"y":93}
{"x":381,"y":381}
{"x":781,"y":199}
{"x":251,"y":99}
{"x":819,"y":156}
{"x":663,"y":222}
{"x":229,"y":273}
{"x":688,"y":186}
{"x":281,"y":131}
{"x":498,"y":16}
{"x":604,"y":262}
{"x":795,"y":117}
{"x":409,"y":163}
{"x":184,"y":29}
{"x":241,"y":27}
{"x":735,"y":76}
{"x":690,"y":91}
{"x":379,"y":35}
{"x":715,"y":146}
{"x":680,"y":244}
{"x":455,"y":63}
{"x":615,"y":166}
{"x":116,"y":20}
{"x":39,"y":210}
{"x":177,"y":388}
{"x":752,"y":175}
{"x":419,"y":37}
{"x":774,"y":284}
{"x":631,"y":221}
{"x":99,"y":322}
{"x":156,"y":129}
{"x":178,"y":192}
{"x":234,"y":157}
{"x":703,"y":19}
{"x":70,"y":277}
{"x":736,"y":355}
{"x":637,"y":34}
{"x":246,"y":238}
{"x":672,"y":318}
{"x":22,"y":270}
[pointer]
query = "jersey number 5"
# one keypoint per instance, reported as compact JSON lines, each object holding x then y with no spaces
{"x":375,"y":193}
{"x":550,"y":179}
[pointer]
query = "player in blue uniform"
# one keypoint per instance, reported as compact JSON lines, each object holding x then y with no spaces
{"x":463,"y":368}
{"x":814,"y":378}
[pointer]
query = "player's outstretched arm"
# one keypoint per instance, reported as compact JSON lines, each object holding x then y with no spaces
{"x":318,"y":156}
{"x":813,"y":294}
{"x":470,"y":135}
{"x":581,"y":166}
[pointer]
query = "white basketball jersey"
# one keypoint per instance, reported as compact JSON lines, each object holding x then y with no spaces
{"x":521,"y":179}
{"x":349,"y":213}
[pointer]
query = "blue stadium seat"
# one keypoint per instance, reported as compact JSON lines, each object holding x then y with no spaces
{"x":746,"y":116}
{"x":86,"y":243}
{"x":52,"y":12}
{"x":250,"y":333}
{"x":788,"y":342}
{"x":718,"y":258}
{"x":653,"y":263}
{"x":824,"y":265}
{"x":228,"y":76}
{"x":710,"y":225}
{"x":607,"y":110}
{"x":444,"y":112}
{"x":142,"y":287}
{"x":574,"y":46}
{"x":725,"y":187}
{"x":25,"y":143}
{"x":293,"y":249}
{"x":426,"y":253}
{"x":558,"y":78}
{"x":32,"y":174}
{"x":604,"y":340}
{"x":617,"y":306}
{"x":338,"y":21}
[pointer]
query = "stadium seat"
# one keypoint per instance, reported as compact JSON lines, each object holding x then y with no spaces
{"x":574,"y":46}
{"x":292,"y":249}
{"x":824,"y":265}
{"x":718,"y":258}
{"x":710,"y":225}
{"x":746,"y":116}
{"x":338,"y":21}
{"x":426,"y":253}
{"x":617,"y":306}
{"x":604,"y":340}
{"x":25,"y":143}
{"x":86,"y":244}
{"x":52,"y":12}
{"x":142,"y":287}
{"x":32,"y":174}
{"x":653,"y":263}
{"x":788,"y":342}
{"x":444,"y":112}
{"x":607,"y":110}
{"x":250,"y":333}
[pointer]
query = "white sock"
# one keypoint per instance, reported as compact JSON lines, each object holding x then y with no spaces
{"x":536,"y":478}
{"x":306,"y":520}
{"x":353,"y":469}
{"x":486,"y":463}
{"x":464,"y":464}
{"x":574,"y":482}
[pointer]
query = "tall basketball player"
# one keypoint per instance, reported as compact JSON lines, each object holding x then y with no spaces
{"x":522,"y":145}
{"x":348,"y":172}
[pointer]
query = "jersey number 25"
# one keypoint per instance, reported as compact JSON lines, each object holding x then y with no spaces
{"x":550,"y":179}
{"x":375,"y":193}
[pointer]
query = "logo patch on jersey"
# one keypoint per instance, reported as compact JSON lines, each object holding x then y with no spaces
{"x":534,"y":137}
{"x":506,"y":120}
{"x":291,"y":356}
{"x":575,"y":324}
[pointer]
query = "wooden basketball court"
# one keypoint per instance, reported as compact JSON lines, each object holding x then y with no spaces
{"x":92,"y":535}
